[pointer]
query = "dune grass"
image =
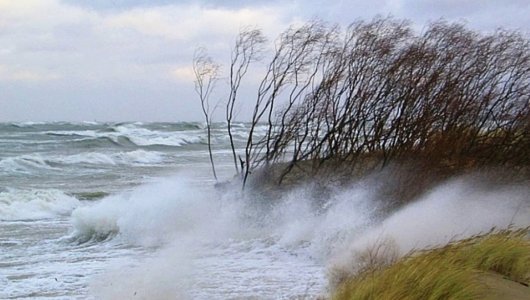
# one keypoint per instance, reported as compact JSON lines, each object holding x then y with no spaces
{"x":449,"y":272}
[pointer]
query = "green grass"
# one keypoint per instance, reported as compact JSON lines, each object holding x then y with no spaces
{"x":449,"y":272}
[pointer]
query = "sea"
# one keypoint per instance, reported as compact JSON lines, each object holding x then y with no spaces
{"x":93,"y":210}
{"x":129,"y":210}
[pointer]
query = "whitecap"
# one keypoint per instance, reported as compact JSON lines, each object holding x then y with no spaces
{"x":146,"y":137}
{"x":16,"y":204}
{"x":136,"y":157}
{"x":24,"y":164}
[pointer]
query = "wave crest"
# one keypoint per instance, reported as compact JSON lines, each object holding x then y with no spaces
{"x":18,"y":204}
{"x":139,"y":136}
{"x":137,"y":157}
{"x":24,"y":164}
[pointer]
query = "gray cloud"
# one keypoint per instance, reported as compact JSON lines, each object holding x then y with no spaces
{"x":127,"y":4}
{"x":479,"y":14}
{"x":130,"y":60}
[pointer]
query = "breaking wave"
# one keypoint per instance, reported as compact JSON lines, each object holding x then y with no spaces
{"x":136,"y":157}
{"x":27,"y":164}
{"x":298,"y":236}
{"x":24,"y":164}
{"x":18,"y":204}
{"x":136,"y":135}
{"x":93,"y":135}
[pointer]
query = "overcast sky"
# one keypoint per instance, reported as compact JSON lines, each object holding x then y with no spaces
{"x":130,"y":60}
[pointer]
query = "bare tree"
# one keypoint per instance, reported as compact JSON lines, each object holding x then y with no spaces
{"x":290,"y":64}
{"x":448,"y":96}
{"x":248,"y":48}
{"x":206,"y":74}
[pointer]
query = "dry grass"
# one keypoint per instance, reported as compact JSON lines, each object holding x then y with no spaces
{"x":449,"y":272}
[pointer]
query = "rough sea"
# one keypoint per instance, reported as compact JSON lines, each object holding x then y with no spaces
{"x":129,"y":211}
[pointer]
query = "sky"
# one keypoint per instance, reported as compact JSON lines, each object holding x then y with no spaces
{"x":130,"y":60}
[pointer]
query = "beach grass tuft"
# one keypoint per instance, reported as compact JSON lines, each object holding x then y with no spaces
{"x":449,"y":272}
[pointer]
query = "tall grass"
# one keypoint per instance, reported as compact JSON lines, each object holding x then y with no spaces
{"x":449,"y":272}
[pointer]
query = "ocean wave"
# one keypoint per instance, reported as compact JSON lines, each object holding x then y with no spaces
{"x":137,"y":135}
{"x":27,"y":164}
{"x":99,"y":221}
{"x":140,"y":157}
{"x":104,"y":141}
{"x":91,"y":196}
{"x":145,"y":137}
{"x":26,"y":124}
{"x":150,"y":215}
{"x":137,"y":157}
{"x":78,"y":133}
{"x":86,"y":158}
{"x":24,"y":164}
{"x":18,"y":204}
{"x":95,"y":135}
{"x":174,"y":209}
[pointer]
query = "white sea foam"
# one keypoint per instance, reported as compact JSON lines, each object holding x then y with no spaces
{"x":154,"y":214}
{"x":24,"y":164}
{"x":28,"y":164}
{"x":86,"y":133}
{"x":85,"y":158}
{"x":243,"y":245}
{"x":27,"y":124}
{"x":139,"y":135}
{"x":452,"y":211}
{"x":90,"y":123}
{"x":136,"y":157}
{"x":198,"y":229}
{"x":145,"y":137}
{"x":140,"y":157}
{"x":18,"y":204}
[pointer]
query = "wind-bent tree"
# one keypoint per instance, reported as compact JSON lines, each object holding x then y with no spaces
{"x":290,"y":68}
{"x":206,"y":75}
{"x":381,"y":92}
{"x":248,"y":48}
{"x":449,"y":96}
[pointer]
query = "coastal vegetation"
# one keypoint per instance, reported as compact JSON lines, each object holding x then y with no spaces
{"x":206,"y":74}
{"x":377,"y":93}
{"x":459,"y":270}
